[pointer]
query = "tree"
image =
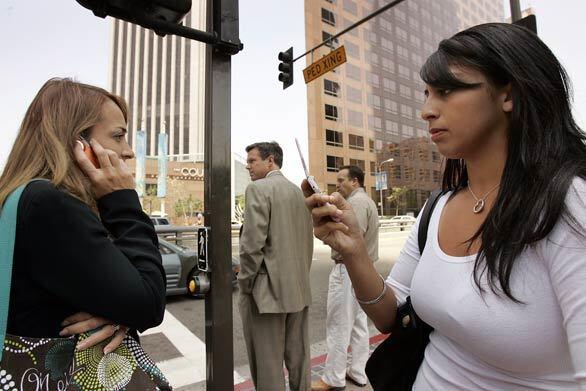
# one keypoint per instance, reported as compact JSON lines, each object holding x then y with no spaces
{"x":397,"y":198}
{"x":187,"y":207}
{"x":150,"y":198}
{"x":239,"y":207}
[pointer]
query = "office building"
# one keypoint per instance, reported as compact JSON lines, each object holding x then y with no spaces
{"x":368,"y":110}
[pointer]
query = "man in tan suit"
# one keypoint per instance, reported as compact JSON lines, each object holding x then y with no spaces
{"x":276,"y":249}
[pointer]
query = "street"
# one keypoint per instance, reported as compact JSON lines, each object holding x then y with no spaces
{"x":178,"y":344}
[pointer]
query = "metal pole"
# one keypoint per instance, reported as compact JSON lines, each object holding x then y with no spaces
{"x":515,"y":11}
{"x":222,"y":19}
{"x":380,"y":188}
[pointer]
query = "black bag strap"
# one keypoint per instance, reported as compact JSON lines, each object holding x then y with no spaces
{"x":426,"y":216}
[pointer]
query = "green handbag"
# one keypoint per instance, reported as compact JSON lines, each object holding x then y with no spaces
{"x":53,"y":364}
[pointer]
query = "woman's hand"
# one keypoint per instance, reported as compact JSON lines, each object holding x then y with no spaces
{"x":82,"y":322}
{"x":343,"y":235}
{"x":113,"y":173}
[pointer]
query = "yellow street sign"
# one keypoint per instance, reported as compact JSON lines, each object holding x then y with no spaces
{"x":325,"y":64}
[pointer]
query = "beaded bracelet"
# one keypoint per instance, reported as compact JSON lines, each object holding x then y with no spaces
{"x":375,"y":300}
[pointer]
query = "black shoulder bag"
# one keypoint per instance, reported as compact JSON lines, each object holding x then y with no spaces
{"x":394,"y":364}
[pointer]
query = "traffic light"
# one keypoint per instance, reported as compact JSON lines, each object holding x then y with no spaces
{"x":139,"y":11}
{"x":286,"y":67}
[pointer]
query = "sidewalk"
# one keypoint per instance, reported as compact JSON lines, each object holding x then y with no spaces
{"x":317,"y":367}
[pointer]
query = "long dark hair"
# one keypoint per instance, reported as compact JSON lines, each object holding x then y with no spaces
{"x":546,"y":148}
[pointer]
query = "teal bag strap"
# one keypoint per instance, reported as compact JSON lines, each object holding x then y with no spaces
{"x":7,"y":238}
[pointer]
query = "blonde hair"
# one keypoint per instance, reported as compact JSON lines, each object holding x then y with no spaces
{"x":54,"y":121}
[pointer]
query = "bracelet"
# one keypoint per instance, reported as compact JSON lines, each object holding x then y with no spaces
{"x":375,"y":300}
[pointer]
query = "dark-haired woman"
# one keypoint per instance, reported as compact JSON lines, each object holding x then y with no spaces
{"x":502,"y":279}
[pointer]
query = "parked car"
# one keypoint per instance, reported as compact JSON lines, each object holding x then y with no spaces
{"x":159,"y":220}
{"x":183,"y":276}
{"x":401,"y":221}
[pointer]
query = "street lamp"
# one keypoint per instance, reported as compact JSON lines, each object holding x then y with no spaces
{"x":380,"y":183}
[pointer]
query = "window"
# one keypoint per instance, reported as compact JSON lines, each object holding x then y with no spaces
{"x":353,"y":94}
{"x":328,"y":17}
{"x":386,"y":25}
{"x":406,"y":111}
{"x":331,"y":188}
{"x":371,"y":145}
{"x":400,"y":15}
{"x":436,"y":176}
{"x":415,"y":41}
{"x":392,"y":127}
{"x":416,"y":59}
{"x":352,"y":49}
{"x":386,"y":44}
{"x":407,"y":130}
{"x":356,"y":142}
{"x":334,"y":138}
{"x":350,"y":6}
{"x":375,"y":123}
{"x":357,"y":162}
{"x":374,"y":80}
{"x":331,"y":87}
{"x":435,"y":157}
{"x":413,"y":23}
{"x":353,"y":72}
{"x":332,"y":43}
{"x":372,"y":168}
{"x":404,"y":71}
{"x":391,"y":106}
{"x":402,"y":34}
{"x":334,"y":163}
{"x":374,"y":101}
{"x":418,"y":96}
{"x":331,"y":112}
{"x":403,"y":52}
{"x":348,"y":23}
{"x":405,"y":91}
{"x":389,"y":84}
{"x":355,"y":118}
{"x":388,"y":65}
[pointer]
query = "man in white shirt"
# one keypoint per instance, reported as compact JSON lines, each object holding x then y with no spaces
{"x":346,"y":322}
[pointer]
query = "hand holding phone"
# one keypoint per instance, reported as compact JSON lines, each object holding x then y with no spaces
{"x":89,"y":152}
{"x":311,"y":178}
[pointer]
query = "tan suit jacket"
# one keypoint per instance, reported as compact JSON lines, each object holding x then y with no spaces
{"x":276,"y":246}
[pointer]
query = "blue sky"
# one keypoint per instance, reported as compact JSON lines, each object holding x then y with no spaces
{"x":43,"y":39}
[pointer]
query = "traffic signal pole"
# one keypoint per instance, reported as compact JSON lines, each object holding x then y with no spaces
{"x":222,"y":20}
{"x":515,"y":11}
{"x":287,"y":82}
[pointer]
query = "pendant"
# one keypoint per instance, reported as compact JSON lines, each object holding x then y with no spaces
{"x":479,"y":206}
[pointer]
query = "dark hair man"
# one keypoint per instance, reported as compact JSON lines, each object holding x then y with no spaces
{"x":276,"y":250}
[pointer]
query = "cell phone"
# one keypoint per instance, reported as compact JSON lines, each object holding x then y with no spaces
{"x":89,"y":152}
{"x":311,"y":178}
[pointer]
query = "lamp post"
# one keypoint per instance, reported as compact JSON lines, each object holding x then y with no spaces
{"x":381,"y":185}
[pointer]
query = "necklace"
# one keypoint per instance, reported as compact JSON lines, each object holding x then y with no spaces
{"x":479,"y":206}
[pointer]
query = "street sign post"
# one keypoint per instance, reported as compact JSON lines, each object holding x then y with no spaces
{"x":381,"y":180}
{"x":325,"y":64}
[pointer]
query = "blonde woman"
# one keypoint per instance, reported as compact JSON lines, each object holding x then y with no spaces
{"x":85,"y":254}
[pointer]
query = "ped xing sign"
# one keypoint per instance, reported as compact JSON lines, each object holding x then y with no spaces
{"x":325,"y":64}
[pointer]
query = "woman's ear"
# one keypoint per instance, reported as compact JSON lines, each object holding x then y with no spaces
{"x":508,"y":99}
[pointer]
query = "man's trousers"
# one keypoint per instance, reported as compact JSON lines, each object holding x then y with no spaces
{"x":346,"y":325}
{"x":272,"y":339}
